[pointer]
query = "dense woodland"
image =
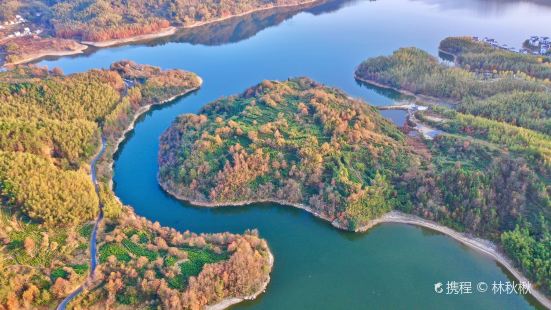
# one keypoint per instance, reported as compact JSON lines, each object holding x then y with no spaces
{"x":50,"y":128}
{"x":488,"y":173}
{"x":416,"y":71}
{"x":530,"y":110}
{"x":296,"y":142}
{"x":100,"y":20}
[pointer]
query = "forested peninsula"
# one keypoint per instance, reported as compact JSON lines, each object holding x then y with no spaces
{"x":58,"y":27}
{"x":488,"y":82}
{"x":488,"y":171}
{"x":51,"y":126}
{"x":295,"y":142}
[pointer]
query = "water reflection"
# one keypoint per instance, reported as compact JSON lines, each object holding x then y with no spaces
{"x":484,"y":7}
{"x":243,"y":27}
{"x":396,"y":96}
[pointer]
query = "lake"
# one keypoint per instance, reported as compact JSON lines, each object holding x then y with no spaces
{"x":316,"y":265}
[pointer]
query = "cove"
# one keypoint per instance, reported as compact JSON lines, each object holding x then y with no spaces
{"x":317,"y":266}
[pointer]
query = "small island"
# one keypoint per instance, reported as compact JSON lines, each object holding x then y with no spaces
{"x":296,"y":143}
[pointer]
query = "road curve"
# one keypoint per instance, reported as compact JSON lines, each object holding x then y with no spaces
{"x":93,"y":237}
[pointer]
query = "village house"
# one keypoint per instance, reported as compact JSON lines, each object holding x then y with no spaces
{"x":535,"y":45}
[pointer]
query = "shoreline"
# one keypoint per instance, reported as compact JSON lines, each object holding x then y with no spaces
{"x":483,"y":246}
{"x":480,"y":245}
{"x":224,"y":303}
{"x":420,"y":98}
{"x":46,"y":53}
{"x":142,"y":37}
{"x":142,"y":110}
{"x":198,"y":24}
{"x":248,"y":202}
{"x":173,"y":29}
{"x":230,"y":301}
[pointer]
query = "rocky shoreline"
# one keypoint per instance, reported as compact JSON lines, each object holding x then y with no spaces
{"x":420,"y":98}
{"x":142,"y":110}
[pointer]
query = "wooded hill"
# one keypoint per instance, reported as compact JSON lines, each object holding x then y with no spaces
{"x":145,"y":265}
{"x":296,"y":142}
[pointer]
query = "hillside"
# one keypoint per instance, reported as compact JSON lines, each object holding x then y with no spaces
{"x":487,"y":172}
{"x":295,"y":142}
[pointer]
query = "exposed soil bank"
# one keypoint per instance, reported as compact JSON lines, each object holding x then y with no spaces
{"x":162,"y":33}
{"x":47,"y":53}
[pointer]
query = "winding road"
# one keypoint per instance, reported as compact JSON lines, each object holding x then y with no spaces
{"x":93,"y":237}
